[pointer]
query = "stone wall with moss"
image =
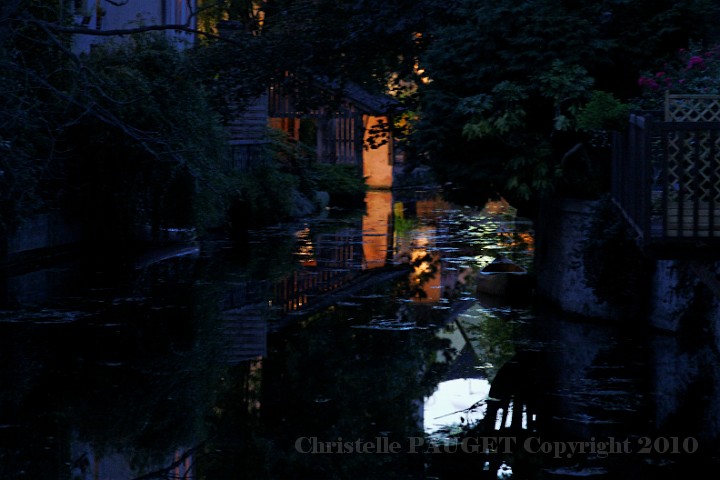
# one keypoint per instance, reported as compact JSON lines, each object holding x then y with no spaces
{"x":561,"y":229}
{"x":682,"y":302}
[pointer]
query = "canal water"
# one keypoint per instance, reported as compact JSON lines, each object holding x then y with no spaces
{"x":354,"y":345}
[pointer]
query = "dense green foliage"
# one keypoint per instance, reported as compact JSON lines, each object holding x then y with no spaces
{"x":32,"y":110}
{"x":123,"y":137}
{"x":510,"y":78}
{"x":602,"y":112}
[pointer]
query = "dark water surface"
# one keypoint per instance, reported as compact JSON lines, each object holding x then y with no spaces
{"x":352,"y":346}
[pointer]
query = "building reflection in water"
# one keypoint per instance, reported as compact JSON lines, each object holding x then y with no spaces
{"x":391,"y":233}
{"x":377,"y":229}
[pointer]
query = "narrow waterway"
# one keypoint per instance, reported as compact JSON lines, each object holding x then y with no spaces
{"x":354,"y":345}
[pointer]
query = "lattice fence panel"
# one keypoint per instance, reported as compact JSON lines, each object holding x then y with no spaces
{"x":693,"y":164}
{"x":692,"y":108}
{"x":694,"y":156}
{"x":677,"y":164}
{"x":693,"y":207}
{"x":706,"y":164}
{"x":713,"y":172}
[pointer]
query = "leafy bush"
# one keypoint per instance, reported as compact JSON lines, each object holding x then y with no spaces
{"x":342,"y":182}
{"x":264,"y":197}
{"x":603,"y":112}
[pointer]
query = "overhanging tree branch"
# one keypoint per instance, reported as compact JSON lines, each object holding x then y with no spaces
{"x":186,"y":27}
{"x":117,"y":32}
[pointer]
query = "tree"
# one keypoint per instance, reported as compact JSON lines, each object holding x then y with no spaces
{"x":161,"y":160}
{"x":32,"y":102}
{"x":124,"y":135}
{"x":509,"y":79}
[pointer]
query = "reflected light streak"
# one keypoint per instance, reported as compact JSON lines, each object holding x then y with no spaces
{"x":305,"y":250}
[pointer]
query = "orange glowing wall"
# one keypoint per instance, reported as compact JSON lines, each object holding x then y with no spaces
{"x":377,"y":162}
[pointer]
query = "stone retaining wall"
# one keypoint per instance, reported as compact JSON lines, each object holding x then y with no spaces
{"x":560,"y":231}
{"x":679,"y":300}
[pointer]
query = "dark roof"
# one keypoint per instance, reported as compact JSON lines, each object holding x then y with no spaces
{"x":370,"y":103}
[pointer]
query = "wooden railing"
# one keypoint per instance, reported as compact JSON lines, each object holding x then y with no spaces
{"x":666,"y":179}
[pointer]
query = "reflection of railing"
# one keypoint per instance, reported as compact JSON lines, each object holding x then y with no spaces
{"x":338,"y":262}
{"x":297,"y":291}
{"x":666,"y":179}
{"x":512,"y":400}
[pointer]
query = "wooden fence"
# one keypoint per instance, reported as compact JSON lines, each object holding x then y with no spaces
{"x":666,"y":178}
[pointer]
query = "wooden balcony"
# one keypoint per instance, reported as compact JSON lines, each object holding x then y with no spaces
{"x":666,"y":177}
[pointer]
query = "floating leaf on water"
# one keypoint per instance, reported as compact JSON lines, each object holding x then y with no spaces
{"x":111,"y":364}
{"x":388,"y":324}
{"x":348,"y":304}
{"x":370,"y":296}
{"x":43,"y":317}
{"x":578,"y":471}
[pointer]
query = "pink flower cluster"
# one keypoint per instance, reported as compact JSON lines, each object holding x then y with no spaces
{"x":648,"y":82}
{"x":695,"y":61}
{"x":692,"y":71}
{"x":653,"y":83}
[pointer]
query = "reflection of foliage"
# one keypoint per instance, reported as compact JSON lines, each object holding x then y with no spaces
{"x":237,"y":429}
{"x":271,"y":258}
{"x":331,"y":382}
{"x":326,"y":380}
{"x":143,"y":408}
{"x":491,"y":337}
{"x":134,"y":379}
{"x":403,"y":226}
{"x":425,"y":267}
